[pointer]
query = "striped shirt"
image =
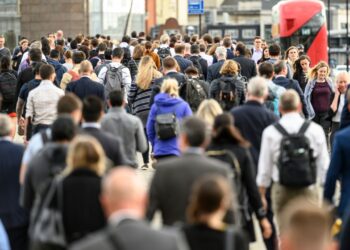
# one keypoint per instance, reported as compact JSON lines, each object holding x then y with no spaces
{"x":140,"y":101}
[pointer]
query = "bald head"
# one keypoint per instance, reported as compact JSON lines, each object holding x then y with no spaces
{"x":122,"y":189}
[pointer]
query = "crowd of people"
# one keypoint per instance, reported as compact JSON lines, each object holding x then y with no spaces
{"x":231,"y":133}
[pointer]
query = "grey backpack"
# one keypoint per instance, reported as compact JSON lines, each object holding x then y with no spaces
{"x":114,"y":79}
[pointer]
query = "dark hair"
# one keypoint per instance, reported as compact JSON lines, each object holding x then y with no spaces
{"x":274,"y":49}
{"x":208,"y":38}
{"x":194,"y":49}
{"x":149,"y":38}
{"x":279,"y":66}
{"x":126,"y":39}
{"x":116,"y":98}
{"x":191,"y":70}
{"x":297,"y":67}
{"x":68,"y":103}
{"x":45,"y":46}
{"x":207,"y":195}
{"x":36,"y":69}
{"x":78,"y":57}
{"x":169,"y":63}
{"x":118,"y":53}
{"x":5,"y":63}
{"x":141,"y":33}
{"x":179,"y":49}
{"x":79,"y":38}
{"x":148,"y":45}
{"x":92,"y":108}
{"x":46,"y":71}
{"x":35,"y":55}
{"x":85,"y":50}
{"x":63,"y":128}
{"x":266,"y":70}
{"x":187,"y":39}
{"x":93,"y":53}
{"x":94,"y":42}
{"x":108,"y":54}
{"x":74,"y":44}
{"x":225,"y":131}
{"x":102,"y":47}
{"x":60,"y":42}
{"x":227,"y":42}
{"x":195,"y":131}
{"x":202,"y":48}
{"x":240,"y":47}
{"x":55,"y":54}
{"x":134,"y":34}
{"x":217,"y":39}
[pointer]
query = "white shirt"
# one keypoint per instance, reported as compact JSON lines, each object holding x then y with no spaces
{"x":125,"y":45}
{"x":125,"y":75}
{"x":337,"y":116}
{"x":270,"y":149}
{"x":208,"y":58}
{"x":42,"y":103}
{"x":257,"y":54}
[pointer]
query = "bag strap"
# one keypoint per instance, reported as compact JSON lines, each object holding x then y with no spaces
{"x":112,"y":237}
{"x":280,"y":129}
{"x":304,"y":127}
{"x":233,"y":157}
{"x":229,"y":238}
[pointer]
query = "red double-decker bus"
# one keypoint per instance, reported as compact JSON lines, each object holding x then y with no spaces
{"x":301,"y":22}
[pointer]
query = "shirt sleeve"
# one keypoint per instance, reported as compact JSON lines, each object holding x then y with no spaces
{"x":322,"y":155}
{"x":30,"y":106}
{"x":265,"y":165}
{"x":102,"y":75}
{"x":127,"y":82}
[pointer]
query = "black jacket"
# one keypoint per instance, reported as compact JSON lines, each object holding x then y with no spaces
{"x":85,"y":87}
{"x":183,"y":62}
{"x":248,"y":66}
{"x":179,"y":77}
{"x":214,"y":71}
{"x":292,"y":84}
{"x":203,"y":63}
{"x":172,"y":184}
{"x":111,"y":144}
{"x":251,"y":119}
{"x":82,"y":211}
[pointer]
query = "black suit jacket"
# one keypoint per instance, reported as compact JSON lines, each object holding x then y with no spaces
{"x":172,"y":184}
{"x":183,"y":62}
{"x":292,"y":84}
{"x":251,"y":119}
{"x":129,"y":234}
{"x":85,"y":87}
{"x":214,"y":71}
{"x":111,"y":144}
{"x":11,"y":214}
{"x":248,"y":66}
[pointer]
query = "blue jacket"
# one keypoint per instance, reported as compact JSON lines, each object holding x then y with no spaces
{"x":183,"y":62}
{"x":11,"y":214}
{"x":339,"y":169}
{"x":59,"y":69}
{"x":345,"y":114}
{"x":85,"y":87}
{"x":308,"y":92}
{"x":165,"y":104}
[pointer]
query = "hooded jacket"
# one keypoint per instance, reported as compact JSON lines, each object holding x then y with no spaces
{"x":164,"y":104}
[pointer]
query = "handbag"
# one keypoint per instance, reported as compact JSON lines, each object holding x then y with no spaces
{"x":48,"y":231}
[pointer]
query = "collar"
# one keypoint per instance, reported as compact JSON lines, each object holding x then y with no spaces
{"x":258,"y":50}
{"x":46,"y":82}
{"x":280,"y":76}
{"x":117,"y":110}
{"x":171,"y":71}
{"x":117,"y":217}
{"x":194,"y":150}
{"x":6,"y":138}
{"x":253,"y":103}
{"x":123,"y":45}
{"x":86,"y":76}
{"x":91,"y":125}
{"x":292,"y":116}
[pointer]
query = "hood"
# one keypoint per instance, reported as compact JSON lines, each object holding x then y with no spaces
{"x":165,"y":100}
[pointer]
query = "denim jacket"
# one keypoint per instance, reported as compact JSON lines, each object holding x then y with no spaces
{"x":308,"y":92}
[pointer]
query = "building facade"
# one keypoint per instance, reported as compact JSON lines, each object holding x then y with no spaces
{"x":10,"y":21}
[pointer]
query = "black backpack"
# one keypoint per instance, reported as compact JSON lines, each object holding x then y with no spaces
{"x":197,"y":65}
{"x":296,"y":163}
{"x":167,"y":125}
{"x":229,"y":157}
{"x":227,"y":94}
{"x":8,"y":86}
{"x":195,"y":93}
{"x":163,"y":53}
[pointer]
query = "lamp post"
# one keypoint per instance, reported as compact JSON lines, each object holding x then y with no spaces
{"x":347,"y":35}
{"x":128,"y":18}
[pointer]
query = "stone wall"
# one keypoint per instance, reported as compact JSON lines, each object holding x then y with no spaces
{"x":40,"y":17}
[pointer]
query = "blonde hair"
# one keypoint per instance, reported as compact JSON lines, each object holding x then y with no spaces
{"x":229,"y":67}
{"x":171,"y":87}
{"x":164,"y":39}
{"x":208,"y":110}
{"x":313,"y":71}
{"x":86,"y":152}
{"x":146,"y":73}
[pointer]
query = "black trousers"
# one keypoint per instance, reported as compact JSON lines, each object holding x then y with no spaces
{"x":334,"y":128}
{"x":18,"y":238}
{"x":145,"y":155}
{"x":272,"y":242}
{"x":322,"y":120}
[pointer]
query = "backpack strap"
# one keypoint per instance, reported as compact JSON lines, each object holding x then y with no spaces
{"x":304,"y":127}
{"x":281,"y":129}
{"x":233,"y":158}
{"x":229,"y":238}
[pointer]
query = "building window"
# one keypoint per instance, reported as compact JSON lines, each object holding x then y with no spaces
{"x":248,"y":33}
{"x":233,"y":33}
